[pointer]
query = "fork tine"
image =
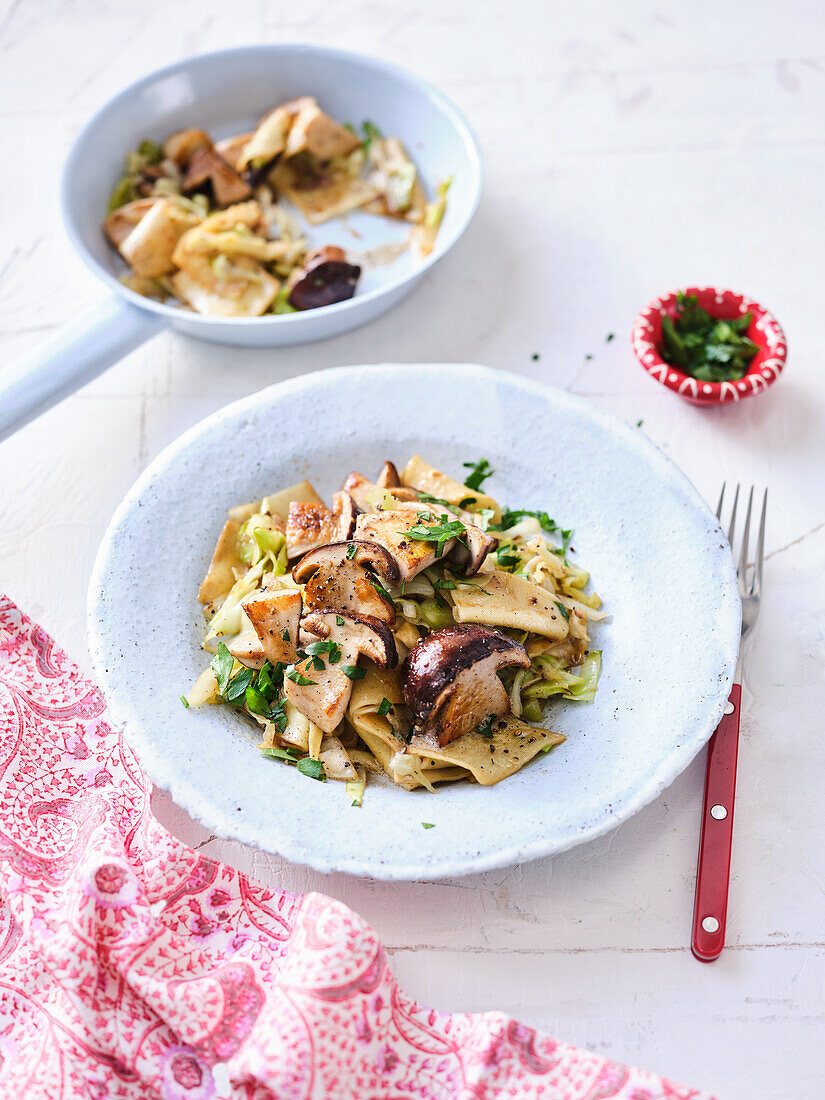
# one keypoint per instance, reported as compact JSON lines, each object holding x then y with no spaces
{"x":721,"y":498}
{"x":732,"y":527}
{"x":741,"y":569}
{"x":760,"y":548}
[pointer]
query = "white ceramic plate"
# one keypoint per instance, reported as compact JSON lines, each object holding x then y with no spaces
{"x":657,"y":556}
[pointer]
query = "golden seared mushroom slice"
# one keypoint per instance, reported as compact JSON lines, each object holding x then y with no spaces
{"x":327,"y":278}
{"x":344,"y":576}
{"x":208,"y":166}
{"x":150,"y":246}
{"x":392,"y":531}
{"x":275,"y":617}
{"x":450,"y":680}
{"x":246,"y":646}
{"x":309,"y":525}
{"x":120,"y":223}
{"x":320,"y":685}
{"x":316,"y":133}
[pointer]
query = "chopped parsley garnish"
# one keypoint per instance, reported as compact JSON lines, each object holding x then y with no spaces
{"x":708,"y":348}
{"x":317,"y":649}
{"x":610,"y":336}
{"x":446,"y":583}
{"x":384,"y":707}
{"x":313,"y":768}
{"x":352,"y":550}
{"x":507,"y":558}
{"x":270,"y":679}
{"x":511,"y":516}
{"x":275,"y":753}
{"x":437,"y":531}
{"x":285,"y":634}
{"x":185,"y":701}
{"x":371,"y":133}
{"x":257,"y":702}
{"x":339,"y":621}
{"x":354,"y":672}
{"x":381,"y":590}
{"x":222,"y":664}
{"x":481,"y":470}
{"x":427,"y":825}
{"x":486,"y":727}
{"x":535,"y":357}
{"x":565,"y":614}
{"x":277,"y":715}
{"x":237,"y":687}
{"x":295,"y":676}
{"x":465,"y":502}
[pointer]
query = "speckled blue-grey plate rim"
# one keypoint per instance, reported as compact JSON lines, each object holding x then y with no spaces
{"x":656,"y":552}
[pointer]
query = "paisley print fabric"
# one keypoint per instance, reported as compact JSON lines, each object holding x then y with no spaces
{"x":131,"y":967}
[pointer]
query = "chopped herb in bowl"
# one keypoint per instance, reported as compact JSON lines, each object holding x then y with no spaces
{"x":709,"y":348}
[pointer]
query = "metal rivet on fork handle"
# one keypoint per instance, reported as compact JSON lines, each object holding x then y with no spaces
{"x":719,"y":812}
{"x":710,"y":924}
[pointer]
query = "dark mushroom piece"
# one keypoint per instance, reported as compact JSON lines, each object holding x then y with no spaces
{"x":472,"y":555}
{"x":450,"y":679}
{"x":324,"y":697}
{"x":327,"y":278}
{"x":360,"y":488}
{"x":389,"y":477}
{"x":208,"y":166}
{"x":342,"y":576}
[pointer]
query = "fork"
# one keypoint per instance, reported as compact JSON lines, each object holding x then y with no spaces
{"x":713,"y":873}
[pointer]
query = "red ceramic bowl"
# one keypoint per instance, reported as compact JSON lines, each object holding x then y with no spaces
{"x":764,"y":330}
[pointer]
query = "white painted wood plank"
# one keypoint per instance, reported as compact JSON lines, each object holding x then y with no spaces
{"x":629,"y":149}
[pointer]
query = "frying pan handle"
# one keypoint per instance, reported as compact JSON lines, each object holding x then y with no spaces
{"x":74,"y":357}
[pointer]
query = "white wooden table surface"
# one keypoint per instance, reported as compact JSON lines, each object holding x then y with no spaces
{"x":630,"y":148}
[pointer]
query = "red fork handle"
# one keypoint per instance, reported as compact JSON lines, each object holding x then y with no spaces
{"x":713,"y":873}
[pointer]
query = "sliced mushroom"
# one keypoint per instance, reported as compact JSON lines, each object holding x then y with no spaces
{"x":421,"y":475}
{"x":390,"y":530}
{"x":472,"y":555}
{"x":341,"y":577}
{"x":450,"y":679}
{"x":324,"y":699}
{"x":388,"y":478}
{"x":151,"y":244}
{"x":311,"y":525}
{"x":246,"y":646}
{"x":182,"y":146}
{"x":120,"y":223}
{"x":321,"y":136}
{"x":208,"y":166}
{"x":275,"y":617}
{"x":231,"y":148}
{"x":327,"y":279}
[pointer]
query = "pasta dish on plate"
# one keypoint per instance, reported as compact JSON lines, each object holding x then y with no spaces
{"x":415,"y":629}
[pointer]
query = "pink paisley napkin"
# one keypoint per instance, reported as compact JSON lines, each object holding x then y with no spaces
{"x":131,"y":967}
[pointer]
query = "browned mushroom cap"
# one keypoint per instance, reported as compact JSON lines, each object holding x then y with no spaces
{"x":450,"y":681}
{"x":207,"y":165}
{"x":324,"y":696}
{"x":341,"y":576}
{"x":472,"y":555}
{"x":354,"y":634}
{"x":388,"y":478}
{"x":327,"y":279}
